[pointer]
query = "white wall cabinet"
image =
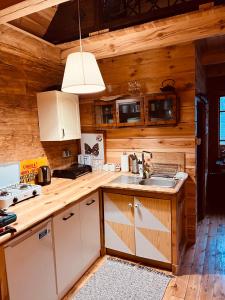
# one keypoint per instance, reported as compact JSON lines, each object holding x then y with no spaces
{"x":30,"y":265}
{"x":59,"y":116}
{"x":68,"y":248}
{"x":90,"y":229}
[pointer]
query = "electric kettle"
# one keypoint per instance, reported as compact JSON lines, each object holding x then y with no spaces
{"x":44,"y":175}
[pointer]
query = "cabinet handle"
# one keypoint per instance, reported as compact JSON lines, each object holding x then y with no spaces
{"x":63,"y":132}
{"x":137,"y":205}
{"x":90,"y":202}
{"x":70,"y":216}
{"x":130,"y":204}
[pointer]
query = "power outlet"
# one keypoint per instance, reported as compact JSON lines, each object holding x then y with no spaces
{"x":66,"y":153}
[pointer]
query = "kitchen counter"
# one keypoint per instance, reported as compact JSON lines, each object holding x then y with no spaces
{"x":63,"y":192}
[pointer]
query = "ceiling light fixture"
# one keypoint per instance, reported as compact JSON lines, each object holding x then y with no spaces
{"x":82,"y":74}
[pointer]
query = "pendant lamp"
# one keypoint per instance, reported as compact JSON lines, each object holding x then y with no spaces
{"x":82,"y":74}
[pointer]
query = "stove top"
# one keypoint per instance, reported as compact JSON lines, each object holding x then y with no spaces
{"x":72,"y":172}
{"x":16,"y":193}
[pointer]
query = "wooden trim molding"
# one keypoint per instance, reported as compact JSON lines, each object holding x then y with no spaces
{"x":161,"y":33}
{"x":24,"y":8}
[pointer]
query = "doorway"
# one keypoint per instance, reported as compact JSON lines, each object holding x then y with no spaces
{"x":201,"y":104}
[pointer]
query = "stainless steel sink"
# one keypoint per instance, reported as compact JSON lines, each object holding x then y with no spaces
{"x":153,"y":181}
{"x":123,"y":179}
{"x":159,"y":181}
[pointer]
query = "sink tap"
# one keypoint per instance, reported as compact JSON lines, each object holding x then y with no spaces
{"x":143,"y":163}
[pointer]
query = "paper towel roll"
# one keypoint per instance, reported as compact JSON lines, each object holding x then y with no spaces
{"x":124,"y":162}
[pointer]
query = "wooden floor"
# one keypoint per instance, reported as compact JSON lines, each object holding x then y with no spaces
{"x":202,"y":274}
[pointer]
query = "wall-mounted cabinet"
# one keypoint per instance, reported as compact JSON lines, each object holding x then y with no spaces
{"x":153,"y":109}
{"x":161,"y":109}
{"x":59,"y":116}
{"x":130,"y":111}
{"x":105,"y":114}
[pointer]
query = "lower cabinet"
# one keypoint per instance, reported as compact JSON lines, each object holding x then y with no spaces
{"x":90,"y":229}
{"x":30,"y":265}
{"x":77,"y":241}
{"x":68,"y":248}
{"x":139,"y":226}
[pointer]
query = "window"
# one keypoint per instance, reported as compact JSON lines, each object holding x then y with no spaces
{"x":222,"y":121}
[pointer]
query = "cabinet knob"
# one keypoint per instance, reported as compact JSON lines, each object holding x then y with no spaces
{"x":130,"y":204}
{"x":137,"y":205}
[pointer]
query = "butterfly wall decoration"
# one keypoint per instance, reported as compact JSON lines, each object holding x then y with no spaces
{"x":92,"y":150}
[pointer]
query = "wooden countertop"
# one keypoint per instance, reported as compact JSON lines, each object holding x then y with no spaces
{"x":63,"y":192}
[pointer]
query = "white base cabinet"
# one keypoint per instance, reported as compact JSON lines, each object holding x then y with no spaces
{"x":77,"y":241}
{"x":90,"y":229}
{"x":68,"y":248}
{"x":30,"y":265}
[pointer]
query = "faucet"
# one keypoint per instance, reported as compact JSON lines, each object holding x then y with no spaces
{"x":143,"y":162}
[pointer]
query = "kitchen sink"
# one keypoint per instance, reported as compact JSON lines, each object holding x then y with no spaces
{"x":153,"y":181}
{"x":159,"y":181}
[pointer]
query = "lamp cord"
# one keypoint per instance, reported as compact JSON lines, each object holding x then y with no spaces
{"x":79,"y":22}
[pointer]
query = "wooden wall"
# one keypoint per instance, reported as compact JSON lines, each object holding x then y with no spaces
{"x":20,"y":80}
{"x":151,"y":68}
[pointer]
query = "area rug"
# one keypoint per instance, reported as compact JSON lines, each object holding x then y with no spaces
{"x":117,"y":279}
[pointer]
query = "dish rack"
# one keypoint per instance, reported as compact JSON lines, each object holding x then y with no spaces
{"x":164,"y":170}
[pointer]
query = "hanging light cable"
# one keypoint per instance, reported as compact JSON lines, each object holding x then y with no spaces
{"x":82,"y":74}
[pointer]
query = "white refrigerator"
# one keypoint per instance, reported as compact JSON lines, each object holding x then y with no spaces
{"x":30,"y":265}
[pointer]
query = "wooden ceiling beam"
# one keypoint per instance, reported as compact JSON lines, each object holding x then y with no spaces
{"x":167,"y":32}
{"x":24,"y":8}
{"x":23,"y":44}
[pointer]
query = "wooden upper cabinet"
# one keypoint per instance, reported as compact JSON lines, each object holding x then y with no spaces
{"x":161,"y":109}
{"x":105,"y":114}
{"x":153,"y":109}
{"x":130,"y":111}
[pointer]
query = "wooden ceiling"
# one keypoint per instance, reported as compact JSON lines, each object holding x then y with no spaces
{"x":36,"y":23}
{"x":58,"y":24}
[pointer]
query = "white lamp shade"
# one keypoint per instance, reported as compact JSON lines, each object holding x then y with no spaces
{"x":82,"y":74}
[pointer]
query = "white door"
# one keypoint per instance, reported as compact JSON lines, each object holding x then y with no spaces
{"x":90,"y":229}
{"x":30,"y":265}
{"x":68,"y":251}
{"x":153,"y":228}
{"x":70,"y":116}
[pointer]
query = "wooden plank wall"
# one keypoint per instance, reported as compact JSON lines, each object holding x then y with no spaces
{"x":151,"y":68}
{"x":21,"y":78}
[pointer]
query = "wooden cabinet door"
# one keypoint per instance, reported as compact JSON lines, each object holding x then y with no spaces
{"x":68,"y":251}
{"x":153,"y":228}
{"x":90,"y":229}
{"x":119,"y":222}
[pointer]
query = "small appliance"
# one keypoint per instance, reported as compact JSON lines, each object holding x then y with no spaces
{"x":11,"y":190}
{"x":74,"y":171}
{"x":44,"y":175}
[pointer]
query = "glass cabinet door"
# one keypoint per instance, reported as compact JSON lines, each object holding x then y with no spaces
{"x":130,"y":112}
{"x":105,"y":114}
{"x":161,"y":109}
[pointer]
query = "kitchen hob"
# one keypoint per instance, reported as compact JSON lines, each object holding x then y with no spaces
{"x":17,"y":192}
